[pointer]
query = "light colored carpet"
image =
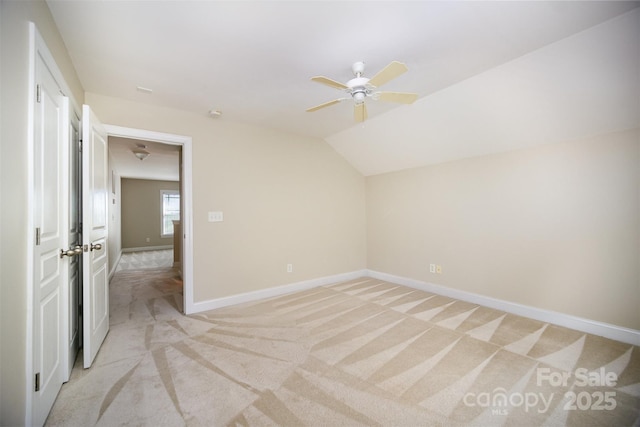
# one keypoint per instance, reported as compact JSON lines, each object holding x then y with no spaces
{"x":362,"y":353}
{"x":145,"y":259}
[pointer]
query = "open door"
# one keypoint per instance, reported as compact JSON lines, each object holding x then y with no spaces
{"x":95,"y":287}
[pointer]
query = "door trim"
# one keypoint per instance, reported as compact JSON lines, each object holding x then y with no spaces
{"x":186,"y":179}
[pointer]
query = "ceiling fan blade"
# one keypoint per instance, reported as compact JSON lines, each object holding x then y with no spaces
{"x":360,"y":112}
{"x":401,"y":97}
{"x":326,"y":104}
{"x":390,"y":72}
{"x":329,"y":82}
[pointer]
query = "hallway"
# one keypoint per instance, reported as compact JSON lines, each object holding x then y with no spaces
{"x":145,"y":260}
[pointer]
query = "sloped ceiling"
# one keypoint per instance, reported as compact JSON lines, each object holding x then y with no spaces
{"x":581,"y":86}
{"x":491,"y":76}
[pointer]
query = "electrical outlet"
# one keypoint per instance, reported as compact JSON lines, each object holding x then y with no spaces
{"x":438,"y":269}
{"x":432,"y":268}
{"x":289,"y":268}
{"x":148,"y":239}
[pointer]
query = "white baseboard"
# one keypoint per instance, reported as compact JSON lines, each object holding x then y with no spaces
{"x":606,"y":330}
{"x":275,"y":291}
{"x":147,"y":248}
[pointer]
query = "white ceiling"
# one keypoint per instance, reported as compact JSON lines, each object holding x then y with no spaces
{"x":253,"y":60}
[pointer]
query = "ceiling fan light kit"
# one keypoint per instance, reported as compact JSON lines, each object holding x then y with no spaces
{"x":360,"y":88}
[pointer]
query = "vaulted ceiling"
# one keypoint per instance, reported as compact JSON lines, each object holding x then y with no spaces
{"x":491,"y":76}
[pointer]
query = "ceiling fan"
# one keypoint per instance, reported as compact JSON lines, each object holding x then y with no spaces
{"x":359,"y":88}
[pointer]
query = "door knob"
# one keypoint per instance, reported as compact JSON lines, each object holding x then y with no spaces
{"x":77,"y":250}
{"x":96,"y":247}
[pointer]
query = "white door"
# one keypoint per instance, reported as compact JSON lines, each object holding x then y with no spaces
{"x":95,"y":286}
{"x":49,"y":193}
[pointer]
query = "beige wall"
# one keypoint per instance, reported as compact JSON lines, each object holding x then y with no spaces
{"x":141,"y":212}
{"x":14,"y":39}
{"x":555,"y":227}
{"x":285,"y":198}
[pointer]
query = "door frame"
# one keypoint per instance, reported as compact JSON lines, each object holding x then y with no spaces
{"x":187,"y":197}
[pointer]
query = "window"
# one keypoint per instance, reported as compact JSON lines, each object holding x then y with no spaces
{"x":170,"y":204}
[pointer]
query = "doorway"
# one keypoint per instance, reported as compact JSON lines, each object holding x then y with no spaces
{"x":161,"y":145}
{"x":145,"y":202}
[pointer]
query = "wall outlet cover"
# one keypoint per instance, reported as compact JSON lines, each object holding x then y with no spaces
{"x":215,"y":216}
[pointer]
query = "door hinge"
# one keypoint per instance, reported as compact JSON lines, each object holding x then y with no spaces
{"x":37,"y":236}
{"x":38,"y":94}
{"x":38,"y":381}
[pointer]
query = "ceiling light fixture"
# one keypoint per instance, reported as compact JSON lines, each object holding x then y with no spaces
{"x":215,"y":113}
{"x":141,"y":154}
{"x":144,"y":89}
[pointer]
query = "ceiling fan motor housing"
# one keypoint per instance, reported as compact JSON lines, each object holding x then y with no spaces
{"x":358,"y":88}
